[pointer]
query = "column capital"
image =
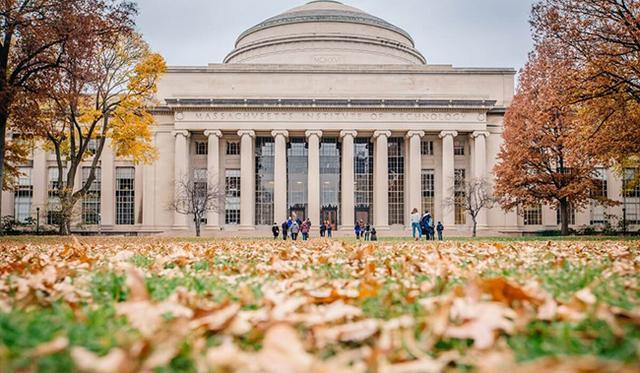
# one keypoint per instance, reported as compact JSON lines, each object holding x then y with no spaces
{"x":345,"y":133}
{"x":184,"y":133}
{"x":411,"y":134}
{"x":249,"y":133}
{"x":444,"y":134}
{"x":216,"y":133}
{"x":313,"y":133}
{"x":377,"y":134}
{"x":480,"y":133}
{"x":276,"y":133}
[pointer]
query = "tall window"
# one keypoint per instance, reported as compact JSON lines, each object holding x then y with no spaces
{"x":297,"y":169}
{"x":265,"y":151}
{"x":233,"y":148}
{"x":91,"y":201}
{"x":598,"y":211}
{"x":458,"y":148}
{"x":23,"y":195}
{"x":533,"y":215}
{"x":232,"y":200}
{"x":459,"y":196}
{"x":428,"y":191}
{"x":631,"y":194}
{"x":202,"y":148}
{"x":572,"y":216}
{"x":53,"y":205}
{"x":363,"y":174}
{"x":396,"y":180}
{"x":426,"y":147}
{"x":125,"y":195}
{"x":330,"y":180}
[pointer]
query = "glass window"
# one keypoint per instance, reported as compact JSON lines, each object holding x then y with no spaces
{"x":533,"y":215}
{"x":53,"y":205}
{"x":125,"y":195}
{"x":631,"y":194}
{"x":363,"y":176}
{"x":330,"y":180}
{"x":232,"y":200}
{"x":265,"y":156}
{"x":202,"y":148}
{"x":598,"y":210}
{"x":233,"y":148}
{"x":297,"y":179}
{"x":91,"y":201}
{"x":426,"y":147}
{"x":396,"y":180}
{"x":92,"y":146}
{"x":459,"y":196}
{"x":428,"y":191}
{"x":23,"y":195}
{"x":572,"y":216}
{"x":458,"y":148}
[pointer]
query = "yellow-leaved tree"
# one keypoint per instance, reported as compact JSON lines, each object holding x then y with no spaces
{"x":100,"y":99}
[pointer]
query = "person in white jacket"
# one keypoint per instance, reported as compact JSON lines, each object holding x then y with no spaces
{"x":415,"y":224}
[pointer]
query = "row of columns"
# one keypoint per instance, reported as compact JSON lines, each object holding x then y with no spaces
{"x":381,"y":190}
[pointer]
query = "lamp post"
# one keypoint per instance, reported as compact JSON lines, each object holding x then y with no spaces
{"x":37,"y":220}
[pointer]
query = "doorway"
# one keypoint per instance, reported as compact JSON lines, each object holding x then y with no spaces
{"x":330,"y":214}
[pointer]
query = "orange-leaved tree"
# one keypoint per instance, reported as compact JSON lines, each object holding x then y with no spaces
{"x":36,"y":38}
{"x":544,"y":159}
{"x":103,"y":96}
{"x":603,"y":39}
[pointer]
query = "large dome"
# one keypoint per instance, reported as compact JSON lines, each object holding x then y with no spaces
{"x":325,"y":32}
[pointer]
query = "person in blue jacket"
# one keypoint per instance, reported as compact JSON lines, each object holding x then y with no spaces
{"x":425,"y":224}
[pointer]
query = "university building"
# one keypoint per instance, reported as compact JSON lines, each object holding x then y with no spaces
{"x":325,"y":112}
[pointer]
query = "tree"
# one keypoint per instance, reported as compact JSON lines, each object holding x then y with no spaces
{"x":472,"y":196}
{"x":100,"y":97}
{"x":36,"y":38}
{"x":196,"y":196}
{"x":544,"y":159}
{"x":602,"y":39}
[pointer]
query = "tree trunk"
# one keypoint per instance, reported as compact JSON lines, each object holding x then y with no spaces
{"x":475,"y":226}
{"x":197,"y":227}
{"x":564,"y":217}
{"x":4,"y":118}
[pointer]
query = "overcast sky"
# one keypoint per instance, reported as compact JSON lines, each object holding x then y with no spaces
{"x":465,"y":33}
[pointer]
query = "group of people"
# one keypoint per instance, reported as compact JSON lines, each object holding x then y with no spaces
{"x":292,"y":228}
{"x":326,"y":229}
{"x":365,"y":231}
{"x":422,"y":225}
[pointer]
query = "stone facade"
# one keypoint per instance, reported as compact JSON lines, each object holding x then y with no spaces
{"x":325,"y":112}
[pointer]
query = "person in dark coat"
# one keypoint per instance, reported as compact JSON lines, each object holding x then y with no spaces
{"x":329,"y":229}
{"x":374,"y":234}
{"x":439,"y":228}
{"x":425,"y":224}
{"x":285,"y":230}
{"x":323,"y":228}
{"x":358,"y":230}
{"x":275,"y":230}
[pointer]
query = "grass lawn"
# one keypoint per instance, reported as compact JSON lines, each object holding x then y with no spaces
{"x":120,"y":304}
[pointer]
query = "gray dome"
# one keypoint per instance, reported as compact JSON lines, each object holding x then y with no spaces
{"x":325,"y":27}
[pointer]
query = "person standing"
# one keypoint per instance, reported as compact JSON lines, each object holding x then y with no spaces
{"x":374,"y":235}
{"x":285,"y":230}
{"x":329,"y":229}
{"x":440,"y":228}
{"x":416,"y":230}
{"x":367,"y":232}
{"x":358,"y":230}
{"x":425,"y":224}
{"x":295,"y":229}
{"x":323,"y":228}
{"x":275,"y":230}
{"x":304,"y":229}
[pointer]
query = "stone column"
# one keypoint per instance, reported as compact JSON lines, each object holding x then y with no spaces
{"x":480,"y":160}
{"x":247,"y":181}
{"x":149,"y":192}
{"x":107,"y":186}
{"x":313,"y":138}
{"x":415,"y":170}
{"x":213,"y":174}
{"x":347,"y":209}
{"x":180,"y":171}
{"x":381,"y":182}
{"x":280,"y":176}
{"x":448,"y":175}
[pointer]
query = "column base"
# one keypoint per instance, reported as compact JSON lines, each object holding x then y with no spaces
{"x":383,"y":228}
{"x":180,"y":227}
{"x":345,"y":228}
{"x":247,"y":228}
{"x":212,"y":228}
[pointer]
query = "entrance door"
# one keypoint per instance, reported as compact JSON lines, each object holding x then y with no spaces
{"x":363,"y":214}
{"x":298,"y":213}
{"x":330,"y":214}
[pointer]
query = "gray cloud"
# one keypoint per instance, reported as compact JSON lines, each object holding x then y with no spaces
{"x":465,"y":33}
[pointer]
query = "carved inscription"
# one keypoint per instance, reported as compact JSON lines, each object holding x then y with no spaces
{"x":338,"y":116}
